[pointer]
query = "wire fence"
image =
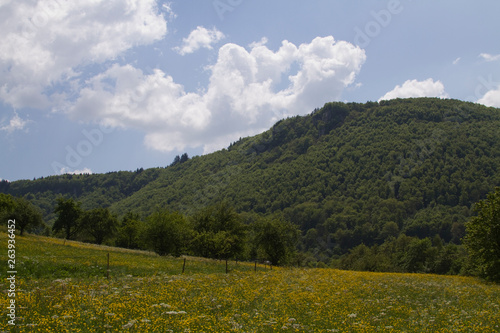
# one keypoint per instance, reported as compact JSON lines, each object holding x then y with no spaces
{"x":114,"y":264}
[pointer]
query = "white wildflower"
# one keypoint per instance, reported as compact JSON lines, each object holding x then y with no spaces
{"x":129,"y":324}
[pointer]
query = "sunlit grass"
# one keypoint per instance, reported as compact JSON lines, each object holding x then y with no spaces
{"x":159,"y":299}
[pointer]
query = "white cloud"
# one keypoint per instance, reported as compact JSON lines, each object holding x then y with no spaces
{"x":456,"y":61}
{"x":75,"y":172}
{"x":199,"y":38}
{"x":15,"y":124}
{"x":248,"y":91}
{"x":167,"y":7}
{"x":491,"y":98}
{"x":153,"y":103}
{"x":489,"y":57}
{"x":45,"y":42}
{"x":414,"y":88}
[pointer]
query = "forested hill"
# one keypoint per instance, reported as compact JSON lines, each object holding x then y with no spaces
{"x":356,"y":172}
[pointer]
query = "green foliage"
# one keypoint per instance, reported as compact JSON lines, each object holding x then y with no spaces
{"x":275,"y":240}
{"x":219,"y":232}
{"x":99,"y":223}
{"x":167,"y":233}
{"x":351,"y":173}
{"x":407,"y":254}
{"x":483,"y":237}
{"x":97,"y":190}
{"x":26,"y":215}
{"x":6,"y":203}
{"x":129,"y":232}
{"x":68,"y":217}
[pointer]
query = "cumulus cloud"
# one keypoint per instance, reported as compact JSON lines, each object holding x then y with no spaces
{"x":50,"y":48}
{"x":15,"y":124}
{"x":491,"y":98}
{"x":248,"y":90}
{"x":45,"y":42}
{"x":153,"y":103}
{"x":68,"y":171}
{"x":199,"y":38}
{"x":489,"y":57}
{"x":414,"y":88}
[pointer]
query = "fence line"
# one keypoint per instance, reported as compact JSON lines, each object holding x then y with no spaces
{"x":185,"y":262}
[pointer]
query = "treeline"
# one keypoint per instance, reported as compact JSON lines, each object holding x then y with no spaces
{"x":93,"y":190}
{"x":348,"y":175}
{"x":410,"y":255}
{"x":216,"y":232}
{"x":219,"y":232}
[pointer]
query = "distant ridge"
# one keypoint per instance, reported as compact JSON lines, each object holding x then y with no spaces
{"x":346,"y":171}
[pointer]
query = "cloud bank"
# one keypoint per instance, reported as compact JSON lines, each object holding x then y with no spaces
{"x":414,"y":88}
{"x":64,"y":56}
{"x":45,"y":43}
{"x":241,"y":99}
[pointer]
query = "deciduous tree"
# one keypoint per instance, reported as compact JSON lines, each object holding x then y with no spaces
{"x":276,"y":239}
{"x":219,"y":232}
{"x":68,"y":217}
{"x":99,"y":223}
{"x":482,"y":237}
{"x":167,"y":233}
{"x":25,"y":214}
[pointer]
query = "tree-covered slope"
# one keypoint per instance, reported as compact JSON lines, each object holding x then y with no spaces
{"x":97,"y":190}
{"x":346,"y":174}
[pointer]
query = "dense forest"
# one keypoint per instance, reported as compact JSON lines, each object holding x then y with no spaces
{"x":363,"y":183}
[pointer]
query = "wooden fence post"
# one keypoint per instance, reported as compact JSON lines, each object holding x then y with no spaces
{"x":183,"y":265}
{"x":107,"y":268}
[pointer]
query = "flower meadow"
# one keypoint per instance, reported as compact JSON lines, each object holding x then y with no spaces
{"x":146,"y":293}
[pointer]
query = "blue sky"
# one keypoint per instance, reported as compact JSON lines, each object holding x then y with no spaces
{"x":122,"y":84}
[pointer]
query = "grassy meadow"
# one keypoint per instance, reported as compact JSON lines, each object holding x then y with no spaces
{"x":62,"y":287}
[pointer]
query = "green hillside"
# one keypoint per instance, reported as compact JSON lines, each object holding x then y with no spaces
{"x":347,"y":174}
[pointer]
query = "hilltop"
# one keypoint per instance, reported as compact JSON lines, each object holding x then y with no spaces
{"x":346,"y":174}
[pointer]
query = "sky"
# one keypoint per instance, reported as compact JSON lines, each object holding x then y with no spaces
{"x":109,"y":85}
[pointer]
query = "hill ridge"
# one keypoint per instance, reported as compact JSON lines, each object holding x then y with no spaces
{"x":345,"y":170}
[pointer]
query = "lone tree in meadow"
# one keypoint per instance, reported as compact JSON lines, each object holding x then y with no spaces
{"x":482,"y":237}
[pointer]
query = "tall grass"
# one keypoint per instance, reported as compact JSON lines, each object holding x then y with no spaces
{"x":146,"y":293}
